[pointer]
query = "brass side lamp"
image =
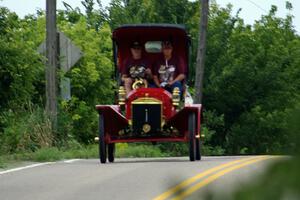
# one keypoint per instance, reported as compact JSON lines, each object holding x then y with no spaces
{"x":122,"y":95}
{"x":176,"y":96}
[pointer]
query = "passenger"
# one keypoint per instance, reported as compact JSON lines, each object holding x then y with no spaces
{"x":169,"y":72}
{"x":135,"y":67}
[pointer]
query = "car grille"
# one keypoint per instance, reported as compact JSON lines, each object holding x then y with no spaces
{"x":146,"y":116}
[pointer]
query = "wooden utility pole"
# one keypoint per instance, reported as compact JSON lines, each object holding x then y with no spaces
{"x":52,"y":61}
{"x":201,"y":51}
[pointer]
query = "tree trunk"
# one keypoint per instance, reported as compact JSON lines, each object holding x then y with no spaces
{"x":51,"y":64}
{"x":201,"y":51}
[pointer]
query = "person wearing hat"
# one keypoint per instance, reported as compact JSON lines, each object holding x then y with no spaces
{"x":135,"y":67}
{"x":169,"y":71}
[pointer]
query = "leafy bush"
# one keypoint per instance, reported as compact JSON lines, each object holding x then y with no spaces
{"x":207,"y":150}
{"x":269,"y":128}
{"x":138,"y":150}
{"x":2,"y":164}
{"x":24,"y":131}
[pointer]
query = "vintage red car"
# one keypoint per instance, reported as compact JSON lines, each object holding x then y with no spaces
{"x":148,"y":114}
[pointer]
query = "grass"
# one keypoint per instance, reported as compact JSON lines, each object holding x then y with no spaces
{"x":123,"y":150}
{"x":48,"y":155}
{"x":2,"y":164}
{"x":91,"y":151}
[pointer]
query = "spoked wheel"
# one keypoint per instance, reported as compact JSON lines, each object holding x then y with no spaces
{"x":111,"y":152}
{"x":102,"y":144}
{"x":192,"y":139}
{"x":198,"y":152}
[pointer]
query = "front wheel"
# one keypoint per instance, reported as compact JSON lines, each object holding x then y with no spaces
{"x":102,"y":144}
{"x":192,"y":139}
{"x":198,"y":151}
{"x":111,"y":152}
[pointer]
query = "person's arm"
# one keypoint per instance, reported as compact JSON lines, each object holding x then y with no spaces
{"x":180,"y":77}
{"x":124,"y":77}
{"x":156,"y":81}
{"x":125,"y":69}
{"x":127,"y":82}
{"x":149,"y":74}
{"x":181,"y":72}
{"x":155,"y":74}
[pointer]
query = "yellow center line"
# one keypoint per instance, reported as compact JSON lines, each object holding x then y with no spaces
{"x":193,"y":179}
{"x":215,"y":176}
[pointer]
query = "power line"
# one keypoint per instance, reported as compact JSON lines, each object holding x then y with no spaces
{"x":258,"y":6}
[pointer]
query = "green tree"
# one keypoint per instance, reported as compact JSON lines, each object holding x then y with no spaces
{"x":20,"y":64}
{"x":91,"y":77}
{"x":252,"y":85}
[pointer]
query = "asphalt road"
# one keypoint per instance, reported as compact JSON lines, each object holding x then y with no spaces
{"x":151,"y":178}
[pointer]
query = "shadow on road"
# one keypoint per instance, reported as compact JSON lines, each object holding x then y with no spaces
{"x":150,"y":160}
{"x":138,"y":160}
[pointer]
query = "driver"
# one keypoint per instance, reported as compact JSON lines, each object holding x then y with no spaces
{"x":135,"y":67}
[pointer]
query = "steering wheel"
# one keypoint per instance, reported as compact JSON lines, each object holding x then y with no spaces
{"x":139,"y":83}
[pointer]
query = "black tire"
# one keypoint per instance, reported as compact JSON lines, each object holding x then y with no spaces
{"x":111,"y":152}
{"x":198,"y":151}
{"x":192,"y":139}
{"x":102,"y":144}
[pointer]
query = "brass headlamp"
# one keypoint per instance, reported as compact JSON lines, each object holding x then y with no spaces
{"x":122,"y":95}
{"x":176,"y":96}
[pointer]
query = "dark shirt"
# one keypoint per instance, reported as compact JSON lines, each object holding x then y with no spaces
{"x":135,"y":68}
{"x":168,"y":70}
